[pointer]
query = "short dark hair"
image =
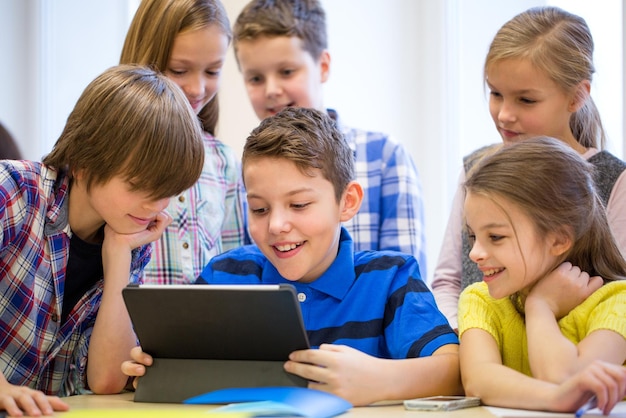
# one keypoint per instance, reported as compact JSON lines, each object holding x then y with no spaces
{"x":304,"y":19}
{"x":307,"y":137}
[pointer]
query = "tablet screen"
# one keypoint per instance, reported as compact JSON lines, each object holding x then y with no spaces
{"x":225,"y":322}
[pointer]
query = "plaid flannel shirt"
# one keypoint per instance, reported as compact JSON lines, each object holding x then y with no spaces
{"x":208,"y":219}
{"x":36,"y":349}
{"x":392,"y":213}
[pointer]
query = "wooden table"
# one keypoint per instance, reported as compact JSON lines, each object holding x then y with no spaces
{"x":125,"y":402}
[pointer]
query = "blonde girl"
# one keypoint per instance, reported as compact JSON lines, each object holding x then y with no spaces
{"x":538,"y":72}
{"x":188,"y":40}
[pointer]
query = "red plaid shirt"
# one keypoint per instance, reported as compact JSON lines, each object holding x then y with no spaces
{"x":36,"y":349}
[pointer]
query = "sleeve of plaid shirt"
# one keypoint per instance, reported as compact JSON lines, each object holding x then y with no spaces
{"x":402,"y":211}
{"x":233,"y":229}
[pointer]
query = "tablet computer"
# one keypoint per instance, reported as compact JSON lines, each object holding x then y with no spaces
{"x":209,"y":337}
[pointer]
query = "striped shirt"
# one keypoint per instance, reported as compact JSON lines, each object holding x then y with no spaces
{"x":36,"y":349}
{"x":392,"y":212}
{"x":208,"y":219}
{"x":372,"y":301}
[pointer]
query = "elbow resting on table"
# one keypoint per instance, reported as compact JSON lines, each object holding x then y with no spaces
{"x":108,"y":385}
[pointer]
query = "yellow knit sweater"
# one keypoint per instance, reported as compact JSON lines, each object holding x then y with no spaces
{"x":604,"y":309}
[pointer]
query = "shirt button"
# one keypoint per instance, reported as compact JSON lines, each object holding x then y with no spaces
{"x":181,"y":199}
{"x":301,"y":297}
{"x":185,"y":245}
{"x":55,"y":317}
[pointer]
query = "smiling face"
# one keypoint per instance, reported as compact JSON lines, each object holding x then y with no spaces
{"x":196,"y":63}
{"x":506,"y":246}
{"x":113,"y":202}
{"x":524,"y":102}
{"x":278,"y":73}
{"x":294,"y":218}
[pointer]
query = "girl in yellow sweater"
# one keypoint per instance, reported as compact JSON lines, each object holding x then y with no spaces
{"x":546,"y":329}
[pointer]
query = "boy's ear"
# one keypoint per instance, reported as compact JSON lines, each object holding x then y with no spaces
{"x":324,"y":65}
{"x":583,"y":90}
{"x":560,"y":242}
{"x":78,"y":175}
{"x":351,"y":201}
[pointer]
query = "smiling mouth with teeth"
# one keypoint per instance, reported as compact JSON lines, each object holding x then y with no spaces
{"x":288,"y":247}
{"x":492,"y":272}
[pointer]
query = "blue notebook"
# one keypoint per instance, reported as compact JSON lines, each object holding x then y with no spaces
{"x":275,"y":401}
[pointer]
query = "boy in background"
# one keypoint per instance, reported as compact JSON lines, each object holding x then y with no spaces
{"x":281,"y":50}
{"x":76,"y":228}
{"x":374,"y":325}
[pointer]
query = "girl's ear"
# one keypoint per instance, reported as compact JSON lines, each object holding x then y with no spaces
{"x":560,"y":242}
{"x":351,"y":201}
{"x":581,"y":94}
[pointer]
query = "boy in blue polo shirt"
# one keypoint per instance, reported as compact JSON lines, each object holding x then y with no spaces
{"x":376,"y":329}
{"x":281,"y":47}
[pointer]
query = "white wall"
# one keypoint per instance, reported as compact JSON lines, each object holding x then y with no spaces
{"x":412,"y":68}
{"x":378,"y":81}
{"x":51,"y":50}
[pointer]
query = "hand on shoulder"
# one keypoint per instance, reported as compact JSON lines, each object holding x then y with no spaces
{"x":563,"y":289}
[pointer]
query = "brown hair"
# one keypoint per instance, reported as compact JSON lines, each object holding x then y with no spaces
{"x":134,"y":122}
{"x":558,"y":43}
{"x":304,"y":19}
{"x":554,"y":186}
{"x":8,"y":147}
{"x":151,"y":35}
{"x":308,"y":138}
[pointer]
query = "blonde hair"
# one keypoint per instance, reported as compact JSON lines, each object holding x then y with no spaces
{"x":154,"y":28}
{"x":558,"y":43}
{"x":133,"y":122}
{"x":554,"y":186}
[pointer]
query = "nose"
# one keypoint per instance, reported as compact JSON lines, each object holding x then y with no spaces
{"x":195,"y":86}
{"x":477,"y":254}
{"x":279,"y":222}
{"x":506,"y":112}
{"x":272,"y":87}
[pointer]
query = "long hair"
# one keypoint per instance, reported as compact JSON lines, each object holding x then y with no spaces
{"x":156,"y":24}
{"x":559,"y":44}
{"x":554,"y":187}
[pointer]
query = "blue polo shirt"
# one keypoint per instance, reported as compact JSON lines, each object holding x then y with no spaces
{"x":373,"y":301}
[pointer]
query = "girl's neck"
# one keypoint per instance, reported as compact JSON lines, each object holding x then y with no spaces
{"x":577,"y":146}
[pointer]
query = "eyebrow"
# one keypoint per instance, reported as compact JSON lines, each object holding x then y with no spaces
{"x":494,"y":225}
{"x":291,"y":193}
{"x":522,"y":92}
{"x":488,"y":226}
{"x":187,"y":62}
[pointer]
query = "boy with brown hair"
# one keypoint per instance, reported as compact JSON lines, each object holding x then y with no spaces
{"x":373,"y":324}
{"x":281,"y":48}
{"x":76,"y":228}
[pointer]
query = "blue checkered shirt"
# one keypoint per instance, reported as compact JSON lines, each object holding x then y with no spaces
{"x":392,"y":213}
